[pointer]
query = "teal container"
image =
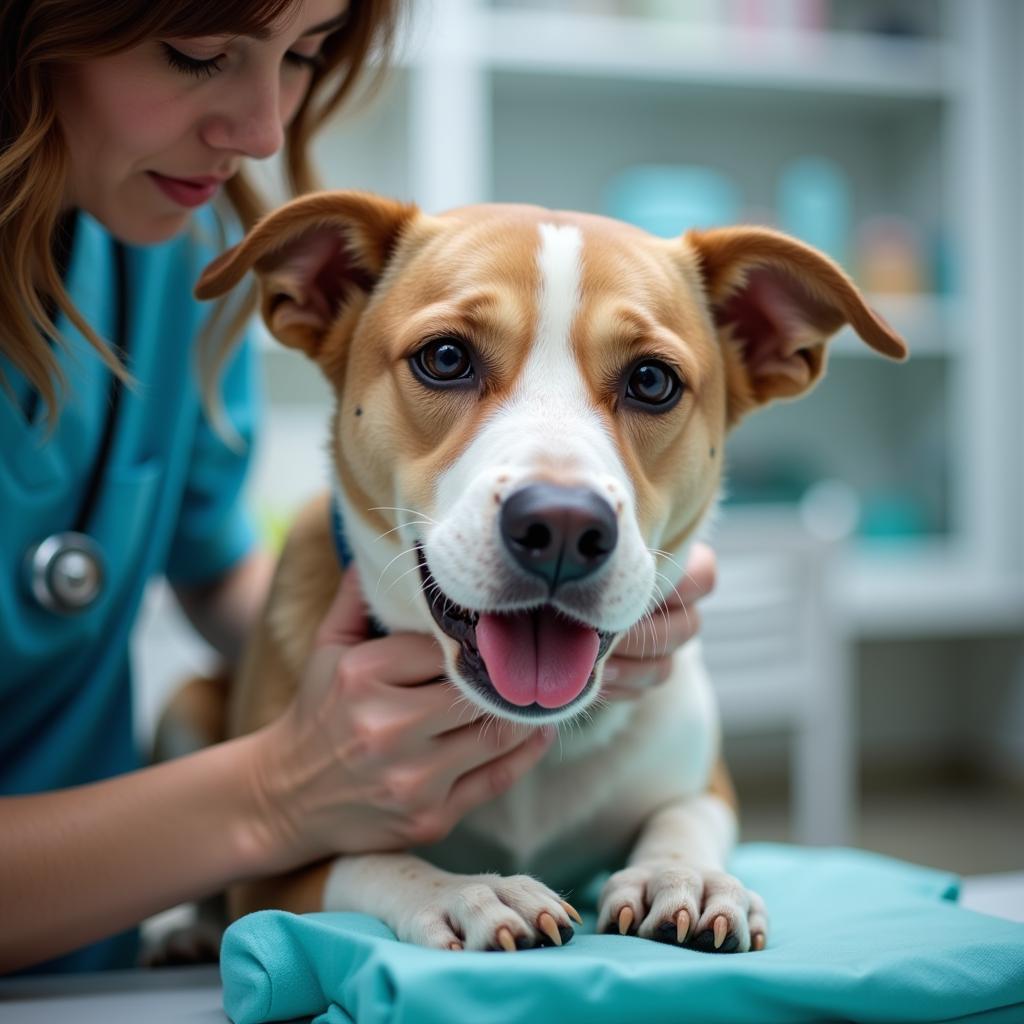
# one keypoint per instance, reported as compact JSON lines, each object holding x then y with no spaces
{"x":815,"y":205}
{"x":666,"y":200}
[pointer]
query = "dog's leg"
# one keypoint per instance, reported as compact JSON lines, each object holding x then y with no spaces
{"x":675,"y":887}
{"x":300,"y":891}
{"x":431,"y":907}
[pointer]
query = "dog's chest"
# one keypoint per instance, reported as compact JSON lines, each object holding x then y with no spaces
{"x":579,"y":812}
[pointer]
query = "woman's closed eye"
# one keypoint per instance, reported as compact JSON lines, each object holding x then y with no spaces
{"x":208,"y":67}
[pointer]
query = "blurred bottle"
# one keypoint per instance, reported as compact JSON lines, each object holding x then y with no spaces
{"x":668,"y":199}
{"x":814,"y":200}
{"x":890,"y":256}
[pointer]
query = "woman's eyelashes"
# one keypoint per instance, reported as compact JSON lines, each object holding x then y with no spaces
{"x":207,"y":68}
{"x":191,"y":65}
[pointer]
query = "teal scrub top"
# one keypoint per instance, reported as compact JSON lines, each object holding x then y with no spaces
{"x":169,"y":502}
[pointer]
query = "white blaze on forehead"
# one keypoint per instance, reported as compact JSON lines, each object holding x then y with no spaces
{"x":548,"y":414}
{"x":551,"y":367}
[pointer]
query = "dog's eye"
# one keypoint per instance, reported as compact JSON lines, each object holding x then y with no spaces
{"x":443,"y":361}
{"x":654,"y":385}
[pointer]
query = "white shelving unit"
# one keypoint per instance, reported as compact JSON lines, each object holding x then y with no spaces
{"x":515,"y":100}
{"x":536,"y":104}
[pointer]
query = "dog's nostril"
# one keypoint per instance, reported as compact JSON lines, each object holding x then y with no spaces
{"x":592,"y":544}
{"x":536,"y":538}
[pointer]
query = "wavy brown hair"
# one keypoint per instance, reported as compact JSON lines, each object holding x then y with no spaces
{"x":37,"y":37}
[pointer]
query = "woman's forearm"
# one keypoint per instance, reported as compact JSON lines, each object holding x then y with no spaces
{"x":80,"y":864}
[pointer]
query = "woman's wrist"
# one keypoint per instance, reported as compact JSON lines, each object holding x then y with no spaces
{"x":266,"y":833}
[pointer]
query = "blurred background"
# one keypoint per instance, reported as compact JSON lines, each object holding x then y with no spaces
{"x":867,"y":632}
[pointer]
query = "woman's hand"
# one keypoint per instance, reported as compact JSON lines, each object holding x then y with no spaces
{"x":366,"y":757}
{"x":644,"y":656}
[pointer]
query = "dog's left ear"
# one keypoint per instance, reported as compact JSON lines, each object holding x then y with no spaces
{"x":313,"y":256}
{"x":779,"y":301}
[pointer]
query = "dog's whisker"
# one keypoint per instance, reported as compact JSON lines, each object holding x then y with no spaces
{"x":645,"y":627}
{"x":400,"y":554}
{"x":668,"y":558}
{"x":464,"y":705}
{"x":672,"y":587}
{"x":398,"y":508}
{"x":398,"y":579}
{"x":662,"y":602}
{"x":682,"y":603}
{"x":653,"y":631}
{"x":395,"y":529}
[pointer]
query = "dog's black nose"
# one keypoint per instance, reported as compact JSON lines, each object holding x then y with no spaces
{"x":558,"y":533}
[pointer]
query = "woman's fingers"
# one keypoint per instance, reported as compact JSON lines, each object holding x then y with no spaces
{"x":699,"y":578}
{"x":497,"y":775}
{"x":401,"y":659}
{"x":629,"y":678}
{"x":346,"y":621}
{"x":475,"y":744}
{"x":676,"y":620}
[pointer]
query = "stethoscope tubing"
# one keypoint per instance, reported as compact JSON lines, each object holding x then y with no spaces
{"x":66,"y":571}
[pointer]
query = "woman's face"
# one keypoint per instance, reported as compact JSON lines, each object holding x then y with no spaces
{"x":155,"y":130}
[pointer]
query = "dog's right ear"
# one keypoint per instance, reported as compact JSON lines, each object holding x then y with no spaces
{"x":312,"y":257}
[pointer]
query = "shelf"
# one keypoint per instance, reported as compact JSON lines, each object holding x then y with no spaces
{"x":641,"y":49}
{"x":925,"y":588}
{"x":930,"y":324}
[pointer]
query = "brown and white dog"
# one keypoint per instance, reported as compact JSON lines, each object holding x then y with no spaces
{"x":531,"y":408}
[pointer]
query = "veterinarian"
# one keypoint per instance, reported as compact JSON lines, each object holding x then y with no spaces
{"x":122,"y":127}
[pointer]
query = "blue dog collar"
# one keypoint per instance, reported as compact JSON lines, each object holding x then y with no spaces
{"x":344,"y":553}
{"x":341,"y":548}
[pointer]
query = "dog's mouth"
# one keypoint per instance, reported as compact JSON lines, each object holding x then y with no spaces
{"x":528,"y":661}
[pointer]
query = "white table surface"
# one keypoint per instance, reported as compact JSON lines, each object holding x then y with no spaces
{"x":191,"y":995}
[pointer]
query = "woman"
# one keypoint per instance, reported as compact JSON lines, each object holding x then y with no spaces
{"x":119,"y":125}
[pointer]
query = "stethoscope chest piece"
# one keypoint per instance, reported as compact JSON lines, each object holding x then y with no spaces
{"x":66,"y":572}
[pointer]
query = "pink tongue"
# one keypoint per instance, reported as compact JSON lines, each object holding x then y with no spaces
{"x":537,"y":657}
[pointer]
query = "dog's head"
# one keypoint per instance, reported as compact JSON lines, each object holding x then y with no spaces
{"x":531,"y":409}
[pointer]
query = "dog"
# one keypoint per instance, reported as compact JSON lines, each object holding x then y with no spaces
{"x":530,"y":413}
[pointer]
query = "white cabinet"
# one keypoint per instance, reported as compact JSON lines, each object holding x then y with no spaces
{"x":546,"y":103}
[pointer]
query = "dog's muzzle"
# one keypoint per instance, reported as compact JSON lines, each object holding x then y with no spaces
{"x":540,"y":659}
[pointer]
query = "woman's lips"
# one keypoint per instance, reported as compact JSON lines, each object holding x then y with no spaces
{"x":188,"y":192}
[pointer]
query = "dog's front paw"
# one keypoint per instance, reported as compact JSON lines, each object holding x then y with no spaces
{"x":490,"y":912}
{"x":670,"y":902}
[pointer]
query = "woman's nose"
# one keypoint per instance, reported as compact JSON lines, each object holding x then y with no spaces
{"x":250,"y":123}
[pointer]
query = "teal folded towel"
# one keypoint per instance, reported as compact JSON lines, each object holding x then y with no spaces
{"x":854,"y":937}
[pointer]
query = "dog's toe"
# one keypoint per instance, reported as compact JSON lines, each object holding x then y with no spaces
{"x":491,"y":912}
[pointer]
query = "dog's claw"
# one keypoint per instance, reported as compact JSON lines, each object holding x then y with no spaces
{"x":625,"y":920}
{"x":721,"y":930}
{"x":682,"y":926}
{"x":506,"y":941}
{"x":547,"y":924}
{"x":571,"y":911}
{"x":455,"y":945}
{"x":757,"y":942}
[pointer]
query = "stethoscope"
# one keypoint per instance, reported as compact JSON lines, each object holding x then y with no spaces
{"x":66,"y":572}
